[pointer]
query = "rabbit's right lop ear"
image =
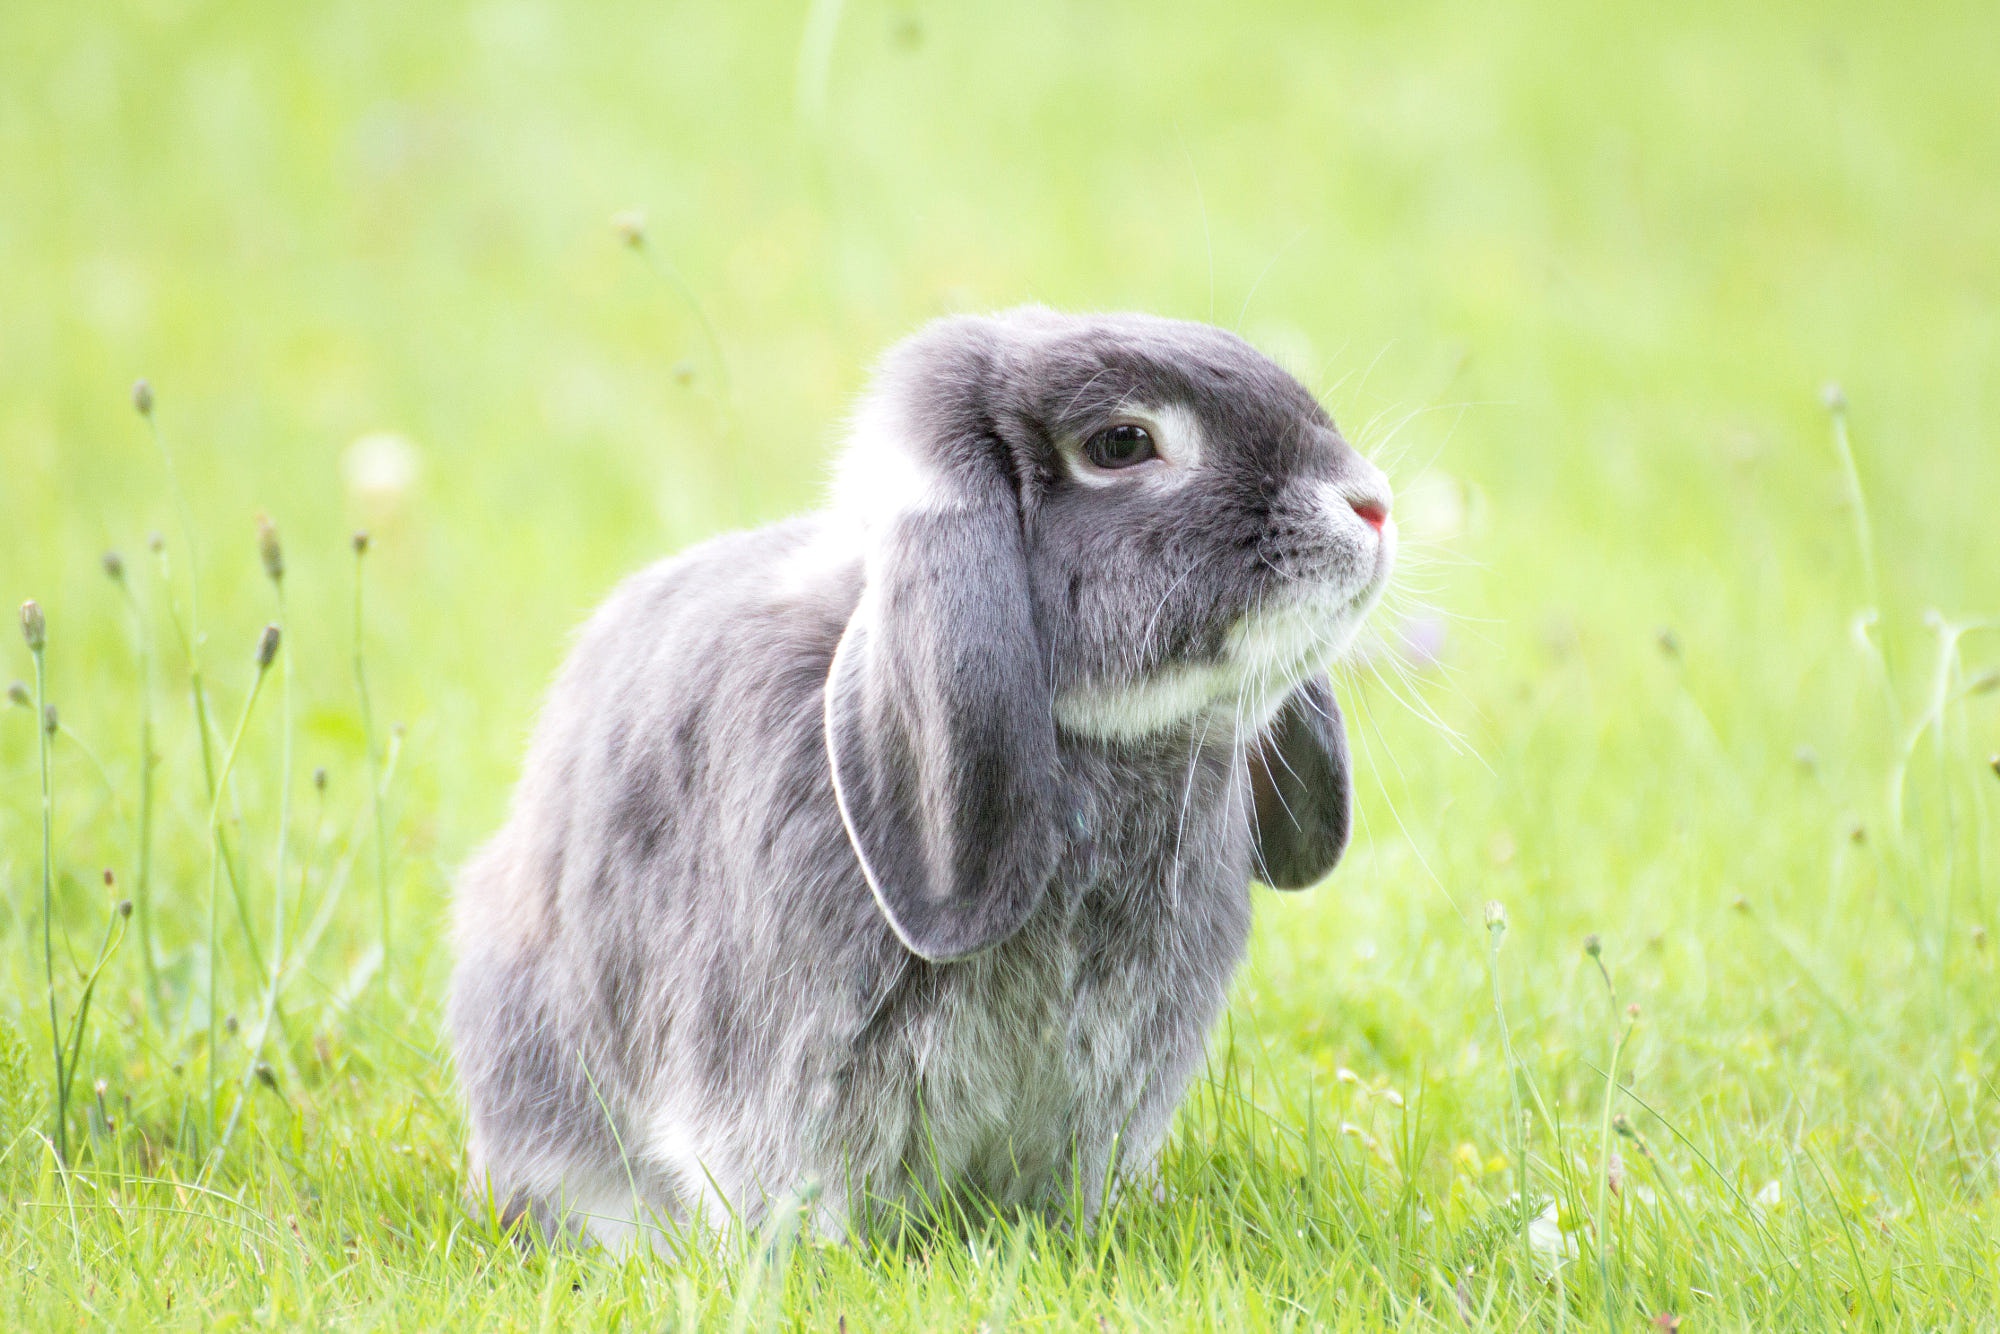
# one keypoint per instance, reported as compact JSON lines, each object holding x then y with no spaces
{"x":939,"y":721}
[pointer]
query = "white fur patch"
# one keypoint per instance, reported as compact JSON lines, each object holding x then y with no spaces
{"x":1264,"y":659}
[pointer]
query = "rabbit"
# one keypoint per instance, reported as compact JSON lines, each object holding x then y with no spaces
{"x":902,"y":851}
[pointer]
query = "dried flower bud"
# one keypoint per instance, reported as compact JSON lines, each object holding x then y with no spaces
{"x":142,"y":397}
{"x":269,"y":1079}
{"x":1592,"y":946}
{"x":124,"y":907}
{"x":1632,"y":1013}
{"x":629,"y":225}
{"x":229,"y":1025}
{"x":1833,"y":397}
{"x":109,"y":878}
{"x":360,"y":541}
{"x":34,"y":626}
{"x":156,"y":542}
{"x":114,"y":566}
{"x":1496,"y":915}
{"x":319,"y":779}
{"x":268,"y":549}
{"x":50,"y":723}
{"x":17,"y":694}
{"x":267,"y":647}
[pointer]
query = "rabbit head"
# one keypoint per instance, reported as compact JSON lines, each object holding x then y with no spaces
{"x":1086,"y":530}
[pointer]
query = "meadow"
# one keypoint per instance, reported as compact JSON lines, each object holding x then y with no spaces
{"x":1660,"y":983}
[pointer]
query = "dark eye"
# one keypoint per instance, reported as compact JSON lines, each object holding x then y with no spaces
{"x":1119,"y":447}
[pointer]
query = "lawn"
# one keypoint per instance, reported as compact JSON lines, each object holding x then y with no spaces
{"x":1661,"y":980}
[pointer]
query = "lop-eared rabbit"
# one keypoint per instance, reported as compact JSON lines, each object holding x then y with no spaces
{"x":904,"y":849}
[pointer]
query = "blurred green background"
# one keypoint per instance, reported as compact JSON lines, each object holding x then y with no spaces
{"x":1576,"y":273}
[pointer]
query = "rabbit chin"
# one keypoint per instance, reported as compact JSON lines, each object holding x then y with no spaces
{"x":1266,"y":656}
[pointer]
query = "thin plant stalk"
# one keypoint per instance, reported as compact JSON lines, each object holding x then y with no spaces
{"x":190,"y":637}
{"x":1496,"y":929}
{"x":32,"y":628}
{"x":266,"y":650}
{"x":274,"y":982}
{"x":142,"y":885}
{"x":114,"y":936}
{"x":1864,"y":541}
{"x":1604,"y":1133}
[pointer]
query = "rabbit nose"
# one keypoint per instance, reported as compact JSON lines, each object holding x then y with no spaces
{"x":1367,"y":494}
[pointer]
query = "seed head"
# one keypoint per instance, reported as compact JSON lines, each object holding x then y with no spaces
{"x":1979,"y":937}
{"x":114,"y":566}
{"x":124,"y":907}
{"x":1496,"y":915}
{"x":269,"y":1079}
{"x":319,"y":779}
{"x":268,"y":549}
{"x":1592,"y":946}
{"x":1623,"y":1125}
{"x":360,"y":541}
{"x":1632,"y":1013}
{"x":50,"y":723}
{"x":267,"y":647}
{"x":17,"y":694}
{"x":629,"y":225}
{"x":229,"y":1025}
{"x":156,"y":542}
{"x":109,"y":878}
{"x":142,"y":397}
{"x":1833,"y":396}
{"x":34,"y":627}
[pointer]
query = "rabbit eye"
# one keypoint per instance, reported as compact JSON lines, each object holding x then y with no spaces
{"x":1119,"y":446}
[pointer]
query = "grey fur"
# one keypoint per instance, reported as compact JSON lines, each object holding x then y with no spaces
{"x":1068,"y":713}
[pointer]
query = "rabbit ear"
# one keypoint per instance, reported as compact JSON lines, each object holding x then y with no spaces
{"x":1304,"y":798}
{"x":939,"y":714}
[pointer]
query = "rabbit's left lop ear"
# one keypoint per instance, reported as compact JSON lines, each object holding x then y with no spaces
{"x":939,"y":717}
{"x":1303,"y":793}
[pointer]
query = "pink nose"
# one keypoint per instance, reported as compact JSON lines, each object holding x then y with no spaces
{"x":1372,"y":512}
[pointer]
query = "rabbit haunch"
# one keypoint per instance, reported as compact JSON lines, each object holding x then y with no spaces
{"x":904,"y":849}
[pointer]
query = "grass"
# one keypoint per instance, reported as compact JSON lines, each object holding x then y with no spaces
{"x":1689,"y":663}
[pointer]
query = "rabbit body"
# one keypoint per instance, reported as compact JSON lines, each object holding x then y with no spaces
{"x":703,"y":970}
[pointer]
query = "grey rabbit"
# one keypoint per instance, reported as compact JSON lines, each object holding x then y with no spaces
{"x":903,"y":850}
